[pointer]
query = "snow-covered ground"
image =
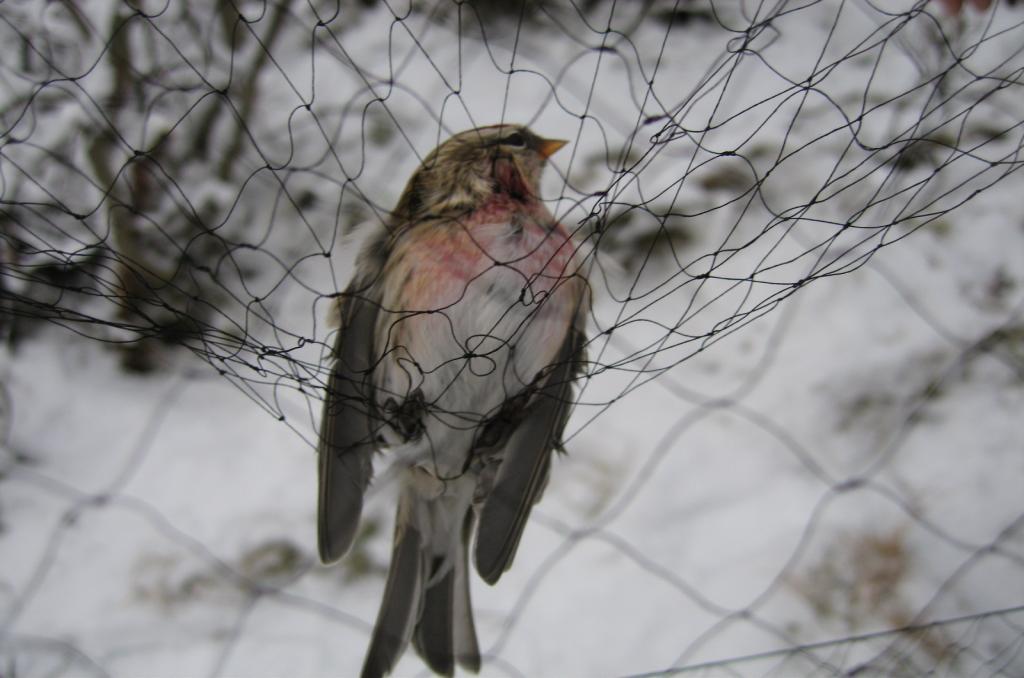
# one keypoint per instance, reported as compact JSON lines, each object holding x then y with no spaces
{"x":848,"y":463}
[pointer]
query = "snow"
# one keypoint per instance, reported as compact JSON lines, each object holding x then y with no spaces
{"x":848,"y":462}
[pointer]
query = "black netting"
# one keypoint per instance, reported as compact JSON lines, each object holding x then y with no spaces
{"x":794,"y":447}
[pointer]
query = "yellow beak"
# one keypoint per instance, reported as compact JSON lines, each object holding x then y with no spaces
{"x":547,"y":147}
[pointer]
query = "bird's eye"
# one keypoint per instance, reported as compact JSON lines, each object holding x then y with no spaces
{"x":514,"y":139}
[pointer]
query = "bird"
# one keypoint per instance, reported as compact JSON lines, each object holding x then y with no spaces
{"x":462,"y":332}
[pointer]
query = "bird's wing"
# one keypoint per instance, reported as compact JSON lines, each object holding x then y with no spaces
{"x":347,"y":429}
{"x":523,"y":472}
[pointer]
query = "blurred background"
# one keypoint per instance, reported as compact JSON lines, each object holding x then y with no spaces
{"x":796,"y":450}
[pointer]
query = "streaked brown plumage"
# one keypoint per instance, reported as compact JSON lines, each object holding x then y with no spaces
{"x":461,"y":334}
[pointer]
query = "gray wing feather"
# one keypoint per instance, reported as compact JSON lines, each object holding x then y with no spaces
{"x":523,"y":472}
{"x":346,"y":431}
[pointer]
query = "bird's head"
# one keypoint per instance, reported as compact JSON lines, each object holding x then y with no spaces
{"x":470,"y":167}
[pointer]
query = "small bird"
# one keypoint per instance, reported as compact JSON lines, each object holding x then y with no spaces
{"x":461,"y":333}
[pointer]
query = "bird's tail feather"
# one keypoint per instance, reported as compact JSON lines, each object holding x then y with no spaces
{"x":467,"y":650}
{"x":403,"y":597}
{"x":421,"y":602}
{"x":433,"y":636}
{"x":445,"y":633}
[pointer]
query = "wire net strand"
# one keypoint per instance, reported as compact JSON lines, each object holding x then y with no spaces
{"x":793,"y":448}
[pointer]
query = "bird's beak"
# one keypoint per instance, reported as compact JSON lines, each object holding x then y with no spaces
{"x":547,"y":147}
